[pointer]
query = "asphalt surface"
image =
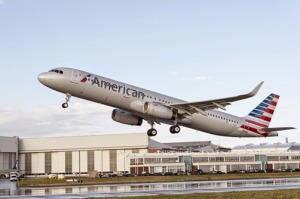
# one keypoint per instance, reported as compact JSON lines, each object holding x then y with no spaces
{"x":10,"y":190}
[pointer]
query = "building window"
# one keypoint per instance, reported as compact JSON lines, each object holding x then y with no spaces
{"x":68,"y":160}
{"x":91,"y":160}
{"x":232,"y":159}
{"x":137,"y":161}
{"x":295,"y":157}
{"x":247,"y":159}
{"x":169,"y":160}
{"x":273,"y":158}
{"x":216,"y":159}
{"x":132,"y":161}
{"x":284,"y":158}
{"x":28,"y":163}
{"x":48,"y":163}
{"x":113,"y":160}
{"x":200,"y":159}
{"x":152,"y":160}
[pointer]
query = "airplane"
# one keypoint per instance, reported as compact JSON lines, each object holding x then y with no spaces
{"x":134,"y":105}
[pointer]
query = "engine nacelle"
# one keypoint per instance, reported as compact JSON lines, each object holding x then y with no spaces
{"x":152,"y":109}
{"x":124,"y":117}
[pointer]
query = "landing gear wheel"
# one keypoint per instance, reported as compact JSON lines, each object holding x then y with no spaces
{"x":152,"y":132}
{"x":174,"y":129}
{"x":68,"y":96}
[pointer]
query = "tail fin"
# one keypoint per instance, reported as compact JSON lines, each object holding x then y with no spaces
{"x":260,"y":117}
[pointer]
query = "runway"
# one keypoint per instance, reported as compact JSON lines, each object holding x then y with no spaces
{"x":8,"y":189}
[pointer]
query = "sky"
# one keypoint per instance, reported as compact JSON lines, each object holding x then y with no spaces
{"x":191,"y":50}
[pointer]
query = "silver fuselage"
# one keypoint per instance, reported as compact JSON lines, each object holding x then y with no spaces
{"x":117,"y":94}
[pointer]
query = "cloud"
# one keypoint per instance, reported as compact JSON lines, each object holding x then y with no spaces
{"x":78,"y":119}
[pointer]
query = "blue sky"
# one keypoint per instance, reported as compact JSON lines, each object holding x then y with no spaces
{"x":193,"y":50}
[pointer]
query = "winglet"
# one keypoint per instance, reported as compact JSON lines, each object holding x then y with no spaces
{"x":256,"y":89}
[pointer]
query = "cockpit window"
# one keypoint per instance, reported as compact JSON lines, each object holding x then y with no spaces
{"x":56,"y":71}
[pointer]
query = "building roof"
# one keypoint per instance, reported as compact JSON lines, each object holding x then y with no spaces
{"x":157,"y":145}
{"x":203,"y":146}
{"x":189,"y":144}
{"x":111,"y":141}
{"x":266,"y":146}
{"x":295,"y":147}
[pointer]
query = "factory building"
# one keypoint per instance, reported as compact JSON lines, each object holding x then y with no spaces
{"x":137,"y":153}
{"x":8,"y":152}
{"x":80,"y":154}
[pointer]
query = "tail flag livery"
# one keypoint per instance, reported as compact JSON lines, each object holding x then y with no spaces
{"x":258,"y":120}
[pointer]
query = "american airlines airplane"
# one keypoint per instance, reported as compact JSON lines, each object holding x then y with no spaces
{"x":134,"y":104}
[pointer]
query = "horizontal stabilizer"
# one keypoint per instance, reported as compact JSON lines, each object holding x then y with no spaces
{"x":276,"y":129}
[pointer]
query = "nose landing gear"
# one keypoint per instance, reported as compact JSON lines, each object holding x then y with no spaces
{"x":68,"y":96}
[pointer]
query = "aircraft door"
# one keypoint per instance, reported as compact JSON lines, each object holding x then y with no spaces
{"x":75,"y":76}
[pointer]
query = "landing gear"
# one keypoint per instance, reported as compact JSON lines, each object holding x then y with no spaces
{"x":151,"y":132}
{"x":175,"y":129}
{"x":68,"y":96}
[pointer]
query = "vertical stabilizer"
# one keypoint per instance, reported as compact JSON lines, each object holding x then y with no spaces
{"x":261,"y":116}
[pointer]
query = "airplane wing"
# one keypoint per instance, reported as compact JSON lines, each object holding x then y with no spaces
{"x":202,"y":106}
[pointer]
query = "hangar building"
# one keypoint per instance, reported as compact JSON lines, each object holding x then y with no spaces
{"x":8,"y":152}
{"x":80,"y":154}
{"x":137,"y":153}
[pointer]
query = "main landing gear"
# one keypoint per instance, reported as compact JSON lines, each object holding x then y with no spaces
{"x":175,"y":129}
{"x":68,"y":96}
{"x":151,"y":132}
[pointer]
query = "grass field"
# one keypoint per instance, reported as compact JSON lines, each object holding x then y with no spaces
{"x":40,"y":182}
{"x":275,"y":194}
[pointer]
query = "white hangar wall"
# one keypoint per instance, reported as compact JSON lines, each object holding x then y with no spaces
{"x":8,"y":152}
{"x":69,"y":155}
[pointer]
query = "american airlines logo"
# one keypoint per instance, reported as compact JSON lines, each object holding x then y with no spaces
{"x":118,"y":88}
{"x":85,"y":78}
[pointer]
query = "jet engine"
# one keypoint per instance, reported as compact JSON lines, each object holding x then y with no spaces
{"x":124,"y":117}
{"x":152,"y":109}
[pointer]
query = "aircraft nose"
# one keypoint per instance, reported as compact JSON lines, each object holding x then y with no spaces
{"x":42,"y":77}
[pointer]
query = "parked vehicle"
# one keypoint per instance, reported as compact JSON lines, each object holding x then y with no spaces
{"x":61,"y":176}
{"x":198,"y":172}
{"x":217,"y":172}
{"x":104,"y":175}
{"x":52,"y":176}
{"x":14,"y":178}
{"x":130,"y":175}
{"x":145,"y":174}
